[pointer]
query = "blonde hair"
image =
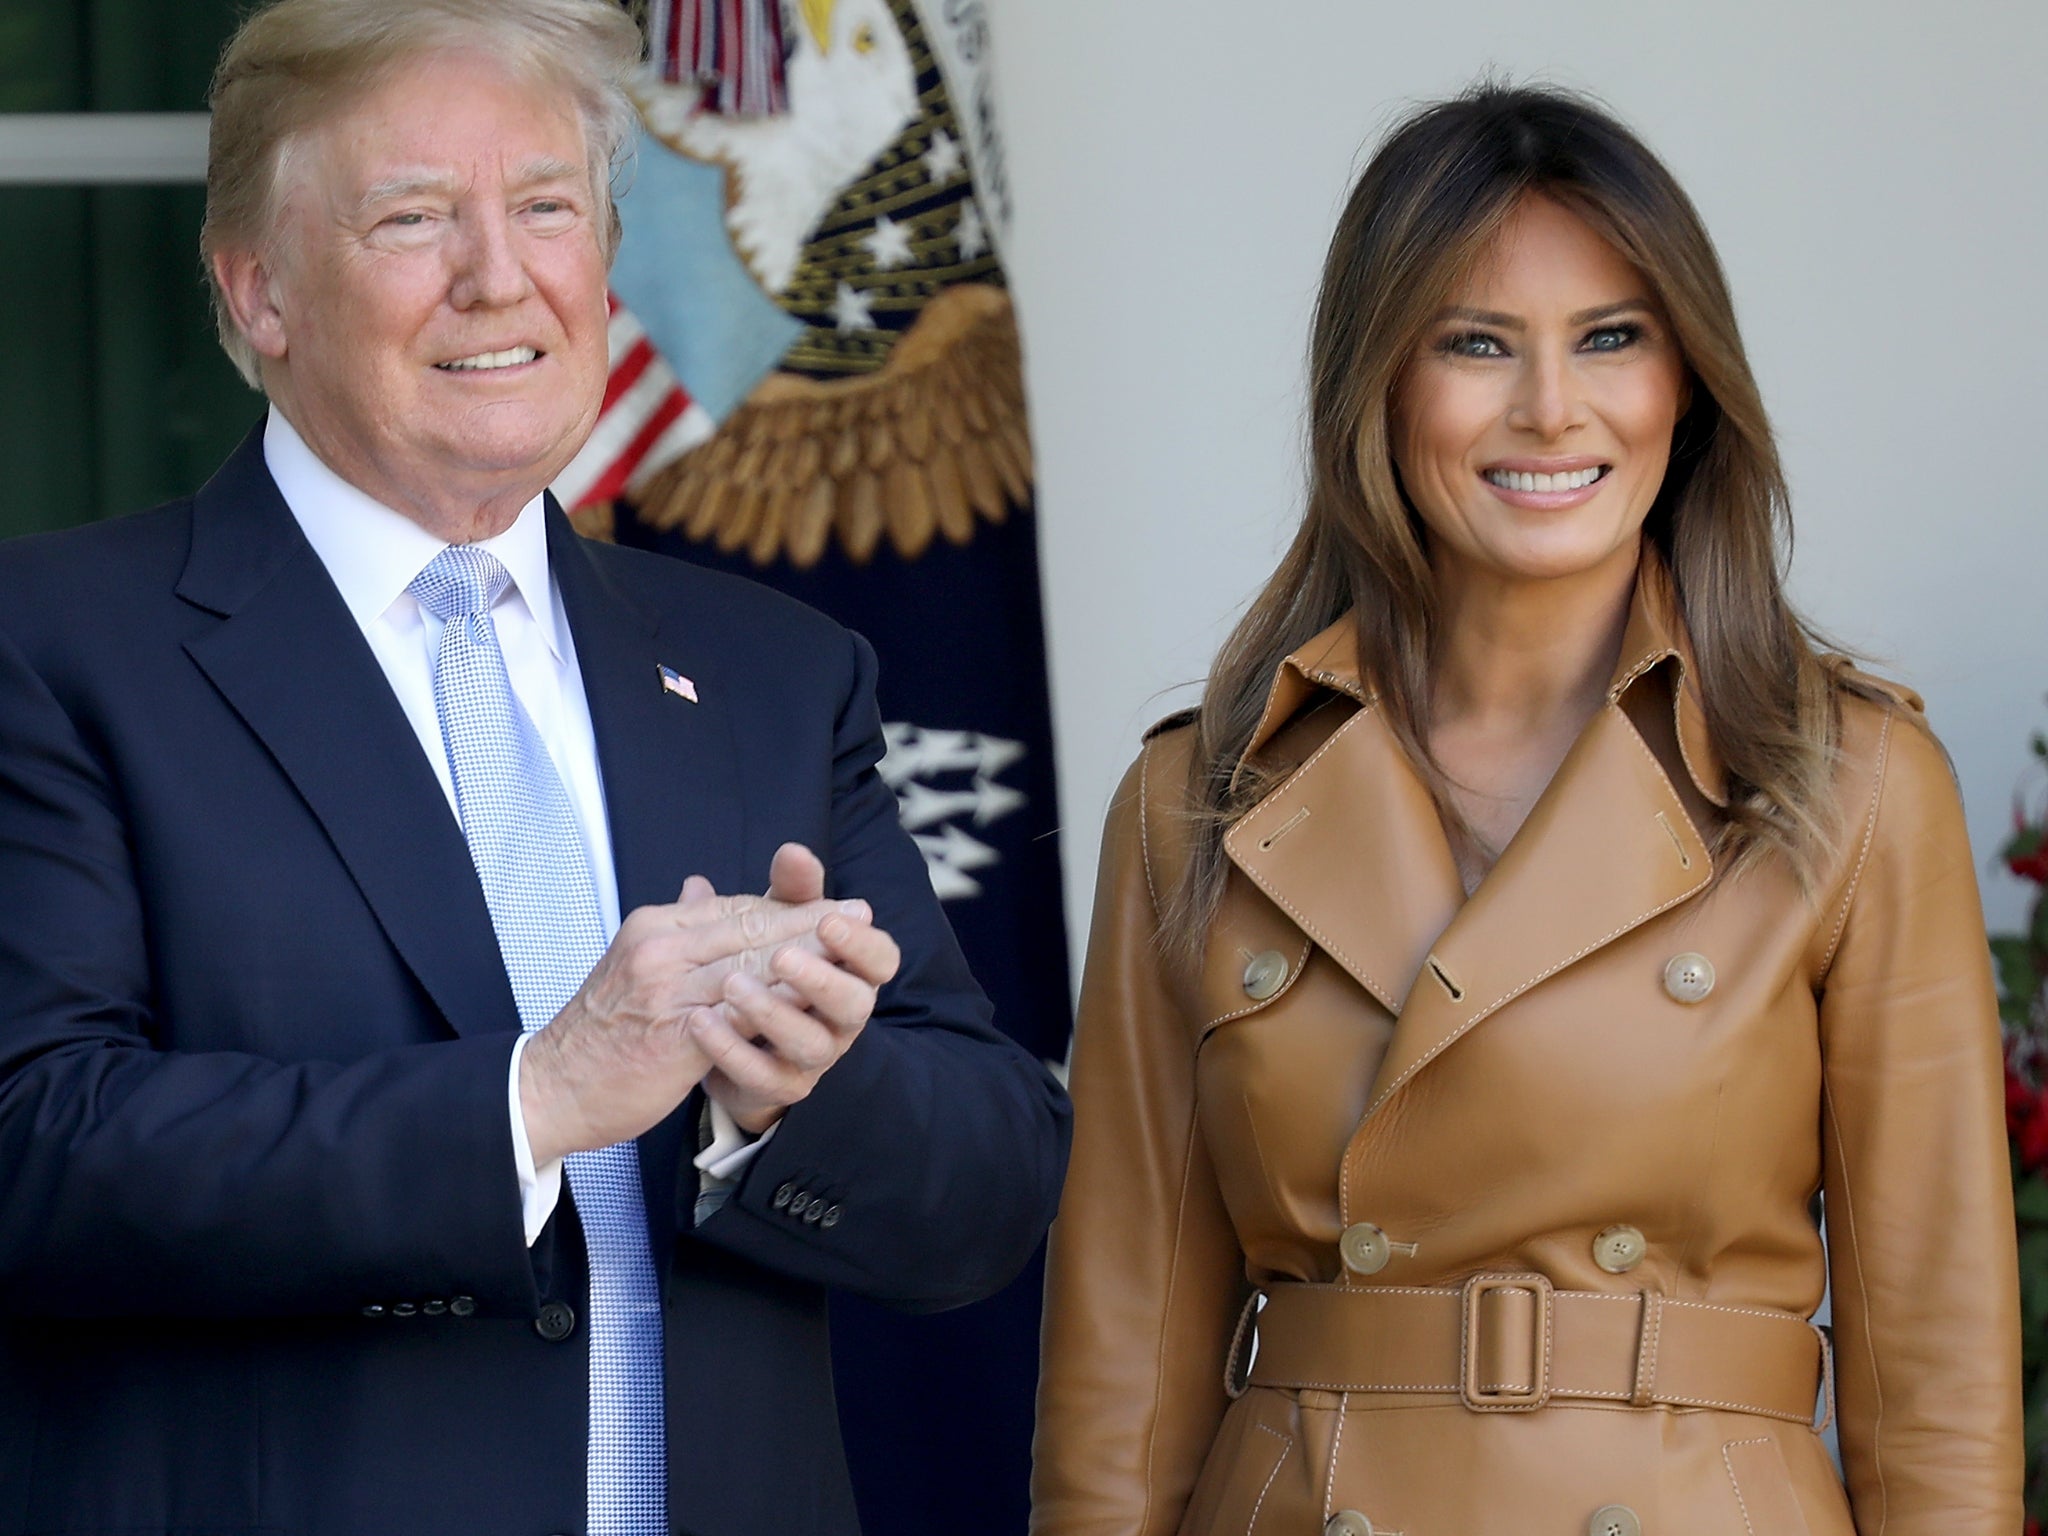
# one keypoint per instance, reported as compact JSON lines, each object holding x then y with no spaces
{"x":1425,"y":211}
{"x":298,"y":63}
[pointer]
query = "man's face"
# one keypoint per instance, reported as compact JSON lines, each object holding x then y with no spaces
{"x":436,"y":322}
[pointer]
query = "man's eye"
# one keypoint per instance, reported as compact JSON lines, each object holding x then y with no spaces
{"x":550,"y":205}
{"x":407,"y":220}
{"x":1472,"y":344}
{"x":1613,"y":338}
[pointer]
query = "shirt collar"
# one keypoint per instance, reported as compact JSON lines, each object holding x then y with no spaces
{"x":373,"y":553}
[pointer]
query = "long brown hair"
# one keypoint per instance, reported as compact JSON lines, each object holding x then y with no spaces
{"x":1425,"y":211}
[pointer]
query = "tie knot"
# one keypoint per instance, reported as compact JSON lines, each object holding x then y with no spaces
{"x":460,"y":582}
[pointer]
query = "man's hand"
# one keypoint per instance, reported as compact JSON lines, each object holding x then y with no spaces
{"x":621,"y":1055}
{"x":768,"y":1040}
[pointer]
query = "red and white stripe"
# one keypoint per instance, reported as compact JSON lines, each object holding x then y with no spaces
{"x":648,"y":421}
{"x":733,"y":48}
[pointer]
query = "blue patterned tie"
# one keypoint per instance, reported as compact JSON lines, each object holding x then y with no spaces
{"x":524,"y":840}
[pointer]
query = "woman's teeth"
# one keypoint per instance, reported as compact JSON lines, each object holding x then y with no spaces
{"x":511,"y":359}
{"x":1573,"y":480}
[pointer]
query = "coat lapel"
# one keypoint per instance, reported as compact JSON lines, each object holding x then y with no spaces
{"x":1607,"y":847}
{"x":1350,"y":846}
{"x":290,"y":661}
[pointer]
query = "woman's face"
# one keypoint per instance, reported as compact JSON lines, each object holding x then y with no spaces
{"x":1532,"y":426}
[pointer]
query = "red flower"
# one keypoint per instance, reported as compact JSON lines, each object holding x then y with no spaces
{"x":2031,"y":866}
{"x":2019,"y":1102}
{"x":2031,"y":1528}
{"x":2033,"y":1136}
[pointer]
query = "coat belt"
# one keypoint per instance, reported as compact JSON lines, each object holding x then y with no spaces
{"x":1510,"y":1343}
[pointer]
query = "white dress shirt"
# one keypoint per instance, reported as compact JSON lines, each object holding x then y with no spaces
{"x":373,"y":553}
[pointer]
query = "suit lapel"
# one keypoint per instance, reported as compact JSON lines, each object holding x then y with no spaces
{"x":670,"y":767}
{"x":1607,"y":847}
{"x":290,"y":661}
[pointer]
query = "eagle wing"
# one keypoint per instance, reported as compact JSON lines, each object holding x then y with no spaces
{"x":919,"y":448}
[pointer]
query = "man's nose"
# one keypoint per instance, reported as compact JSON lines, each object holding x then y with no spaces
{"x":490,"y":269}
{"x":1547,"y":399}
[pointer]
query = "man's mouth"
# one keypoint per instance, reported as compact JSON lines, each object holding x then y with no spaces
{"x":484,"y":362}
{"x":1570,"y":480}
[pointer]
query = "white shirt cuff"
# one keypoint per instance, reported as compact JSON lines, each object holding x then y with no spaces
{"x":721,"y":1164}
{"x":539,"y":1188}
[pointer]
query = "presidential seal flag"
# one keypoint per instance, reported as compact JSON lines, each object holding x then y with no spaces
{"x":817,"y":382}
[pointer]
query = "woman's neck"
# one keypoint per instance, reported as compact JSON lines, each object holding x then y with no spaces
{"x":1527,"y":658}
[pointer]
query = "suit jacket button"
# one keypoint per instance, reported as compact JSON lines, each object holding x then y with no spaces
{"x":1265,"y":975}
{"x":435,"y":1308}
{"x":463,"y":1306}
{"x":405,"y":1309}
{"x":830,"y":1218}
{"x":1614,"y":1520}
{"x":815,"y":1211}
{"x":800,"y":1203}
{"x":1365,"y":1250}
{"x":374,"y":1309}
{"x":783,"y":1195}
{"x":1689,"y":978}
{"x":556,"y":1322}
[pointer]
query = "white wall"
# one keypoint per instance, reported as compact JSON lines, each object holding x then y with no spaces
{"x":1874,"y":175}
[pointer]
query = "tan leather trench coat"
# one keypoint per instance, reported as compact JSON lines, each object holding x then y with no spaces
{"x":1528,"y":1178}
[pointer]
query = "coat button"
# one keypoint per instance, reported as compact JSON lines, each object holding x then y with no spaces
{"x":1348,"y":1522}
{"x":1614,"y":1520}
{"x":462,"y":1306}
{"x":783,"y":1195}
{"x":434,"y":1308}
{"x":556,"y":1322}
{"x":1366,"y":1251}
{"x":831,"y":1217}
{"x":374,"y":1309}
{"x":1265,"y":975}
{"x":1619,"y":1249}
{"x":404,"y":1309}
{"x":1689,"y":978}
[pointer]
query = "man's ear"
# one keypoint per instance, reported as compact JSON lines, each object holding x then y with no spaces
{"x":248,"y":282}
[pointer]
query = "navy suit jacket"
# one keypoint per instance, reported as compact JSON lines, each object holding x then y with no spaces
{"x":261,"y":1258}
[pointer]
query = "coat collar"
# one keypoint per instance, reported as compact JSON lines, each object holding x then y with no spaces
{"x":1655,"y":633}
{"x":1609,"y":845}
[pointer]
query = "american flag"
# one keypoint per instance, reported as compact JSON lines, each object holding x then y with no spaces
{"x":648,"y":421}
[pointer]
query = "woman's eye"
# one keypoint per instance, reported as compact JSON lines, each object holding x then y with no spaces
{"x":1613,"y":338}
{"x":1472,"y":344}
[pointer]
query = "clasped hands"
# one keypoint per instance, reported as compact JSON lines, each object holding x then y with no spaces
{"x":756,"y":997}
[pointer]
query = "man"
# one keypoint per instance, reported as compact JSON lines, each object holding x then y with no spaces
{"x":361,"y":1171}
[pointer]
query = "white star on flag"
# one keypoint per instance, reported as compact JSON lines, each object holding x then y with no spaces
{"x":970,"y":233}
{"x":943,"y":160}
{"x":853,"y":310}
{"x":889,"y":244}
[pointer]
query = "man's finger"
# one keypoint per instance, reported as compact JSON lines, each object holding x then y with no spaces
{"x":757,"y":1072}
{"x":835,"y":994}
{"x":867,"y":951}
{"x":795,"y":874}
{"x":793,"y":1031}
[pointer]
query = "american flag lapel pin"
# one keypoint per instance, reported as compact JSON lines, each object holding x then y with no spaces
{"x":674,"y":682}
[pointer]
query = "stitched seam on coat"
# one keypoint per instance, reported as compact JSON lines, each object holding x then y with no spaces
{"x":1736,"y":1482}
{"x":1145,"y":825}
{"x":1180,"y":1217}
{"x":1646,"y":1353}
{"x":1884,"y":741}
{"x":1286,"y":1445}
{"x":1336,"y":1450}
{"x":1827,"y":1099}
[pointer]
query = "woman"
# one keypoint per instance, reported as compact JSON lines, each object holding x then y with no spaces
{"x":1526,"y":928}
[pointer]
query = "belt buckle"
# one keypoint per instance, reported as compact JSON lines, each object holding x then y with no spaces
{"x":1497,"y":1399}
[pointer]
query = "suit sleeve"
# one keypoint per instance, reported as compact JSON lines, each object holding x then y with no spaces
{"x":1144,"y":1278}
{"x":141,"y":1181}
{"x":923,"y":1169}
{"x":1919,"y":1200}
